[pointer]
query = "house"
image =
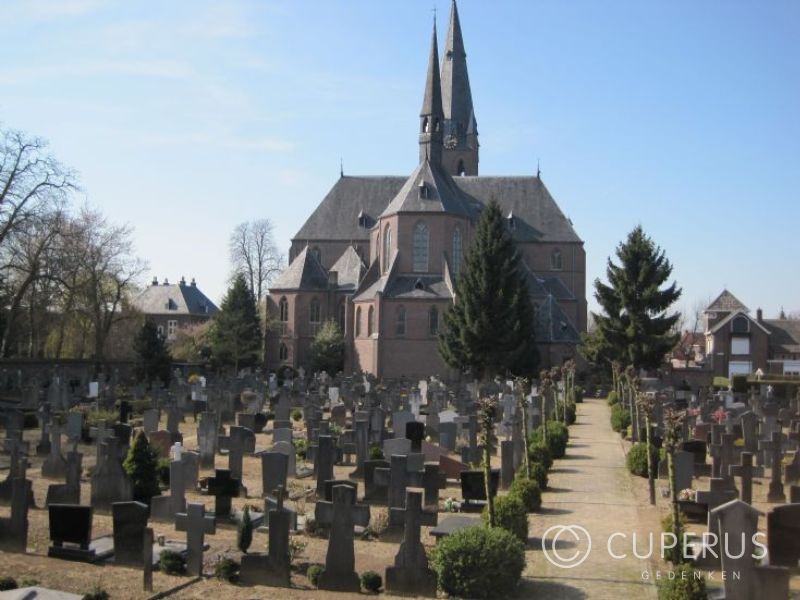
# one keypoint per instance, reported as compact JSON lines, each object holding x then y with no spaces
{"x":171,"y":306}
{"x":380,"y":254}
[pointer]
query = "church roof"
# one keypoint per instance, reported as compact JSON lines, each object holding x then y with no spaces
{"x":429,"y":189}
{"x":542,"y":286}
{"x":552,"y":325}
{"x":407,"y":286}
{"x":174,"y":299}
{"x":785,"y":337}
{"x":304,"y":272}
{"x":456,"y":93}
{"x":726,"y":302}
{"x":349,"y":269}
{"x":537,"y":216}
{"x":432,"y":99}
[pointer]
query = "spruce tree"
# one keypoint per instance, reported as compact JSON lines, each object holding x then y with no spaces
{"x":153,"y":358}
{"x":635,"y":328}
{"x":489,"y":329}
{"x":236,"y":333}
{"x":141,"y":465}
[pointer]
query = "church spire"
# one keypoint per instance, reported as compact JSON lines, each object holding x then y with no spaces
{"x":460,"y":128}
{"x":431,"y":115}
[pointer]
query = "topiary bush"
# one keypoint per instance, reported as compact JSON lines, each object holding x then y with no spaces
{"x":683,"y":583}
{"x":538,"y":453}
{"x":578,"y":394}
{"x":478,"y":562}
{"x":244,"y":531}
{"x":375,"y":453}
{"x":613,"y":398}
{"x":620,"y":418}
{"x":572,"y":413}
{"x":300,"y":448}
{"x":636,"y":460}
{"x":313,"y":573}
{"x":227,"y":569}
{"x":539,"y":474}
{"x":297,"y":414}
{"x":141,"y":465}
{"x":673,"y":554}
{"x":163,"y":472}
{"x":510,"y":514}
{"x":171,"y":563}
{"x":557,"y":438}
{"x":7,"y":583}
{"x":528,"y":491}
{"x":371,"y":582}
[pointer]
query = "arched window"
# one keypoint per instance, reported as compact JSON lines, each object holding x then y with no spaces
{"x":283,"y":352}
{"x":421,"y":241}
{"x":740,"y":324}
{"x":283,"y":308}
{"x":400,"y":323}
{"x":457,"y":252}
{"x":370,"y":320}
{"x":555,"y":260}
{"x":342,"y":315}
{"x":387,"y":247}
{"x":358,"y":322}
{"x":460,"y":170}
{"x":317,"y":253}
{"x":433,"y":320}
{"x":425,"y":125}
{"x":314,"y":315}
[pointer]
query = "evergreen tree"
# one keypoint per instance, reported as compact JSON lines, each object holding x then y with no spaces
{"x":635,"y":328}
{"x":153,"y":358}
{"x":327,"y":349}
{"x":141,"y":465}
{"x":236,"y":333}
{"x":489,"y":329}
{"x":244,"y":532}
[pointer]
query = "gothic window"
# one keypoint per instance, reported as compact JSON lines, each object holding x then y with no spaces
{"x":433,"y":318}
{"x":457,"y":252}
{"x":314,"y":315}
{"x":387,"y":247}
{"x":400,"y":324}
{"x":555,"y":260}
{"x":283,"y":318}
{"x":317,"y":253}
{"x":461,"y":170}
{"x":342,"y":315}
{"x":370,"y":321}
{"x":421,"y":242}
{"x":358,"y":322}
{"x":425,"y":125}
{"x":283,"y":352}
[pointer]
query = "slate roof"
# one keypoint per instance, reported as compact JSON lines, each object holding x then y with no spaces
{"x":785,"y":335}
{"x":304,"y":272}
{"x":552,"y":325}
{"x":541,"y":286}
{"x":726,"y":302}
{"x":349,"y":268}
{"x":456,"y":93}
{"x":440,"y":193}
{"x":537,"y":216}
{"x":174,"y":299}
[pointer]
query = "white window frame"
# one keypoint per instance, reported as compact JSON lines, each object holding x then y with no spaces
{"x":172,"y":329}
{"x":740,"y":346}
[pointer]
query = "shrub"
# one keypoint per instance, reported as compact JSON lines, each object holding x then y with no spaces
{"x":313,"y":574}
{"x":539,"y":474}
{"x":538,"y":453}
{"x":171,"y":563}
{"x":141,"y":465}
{"x":371,"y":581}
{"x":297,"y":414}
{"x":8,"y":583}
{"x":613,"y":398}
{"x":244,"y":531}
{"x":557,"y":438}
{"x":684,"y":585}
{"x":578,"y":394}
{"x":620,"y":418}
{"x":571,"y":413}
{"x":97,"y":594}
{"x":300,"y":448}
{"x":528,"y":491}
{"x":226,"y":569}
{"x":511,"y":515}
{"x":375,"y":453}
{"x":478,"y":562}
{"x":637,"y":459}
{"x":378,"y":524}
{"x":163,"y":472}
{"x":673,"y":554}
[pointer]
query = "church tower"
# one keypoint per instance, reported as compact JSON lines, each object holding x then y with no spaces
{"x":431,"y":116}
{"x":460,"y":135}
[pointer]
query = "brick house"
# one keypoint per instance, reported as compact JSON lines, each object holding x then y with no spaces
{"x":171,"y":306}
{"x":380,"y":254}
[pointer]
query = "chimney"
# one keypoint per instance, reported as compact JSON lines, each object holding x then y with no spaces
{"x":333,"y":279}
{"x":155,"y":280}
{"x":166,"y":281}
{"x":183,"y":281}
{"x":194,"y":283}
{"x":760,"y":315}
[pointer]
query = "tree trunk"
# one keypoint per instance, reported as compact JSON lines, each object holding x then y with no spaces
{"x":526,"y":459}
{"x":487,"y":476}
{"x":673,"y":488}
{"x":651,"y":479}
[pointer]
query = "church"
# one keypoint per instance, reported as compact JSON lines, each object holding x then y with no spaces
{"x":380,"y":254}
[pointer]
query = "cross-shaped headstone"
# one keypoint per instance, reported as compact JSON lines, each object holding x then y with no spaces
{"x":744,"y":470}
{"x":196,"y":523}
{"x":411,"y":574}
{"x":775,"y":449}
{"x":223,"y":486}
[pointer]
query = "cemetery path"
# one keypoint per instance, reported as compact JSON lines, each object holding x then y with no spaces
{"x":591,"y":488}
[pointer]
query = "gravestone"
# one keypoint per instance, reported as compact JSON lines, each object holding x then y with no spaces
{"x":196,"y":523}
{"x":341,"y":515}
{"x":150,"y":420}
{"x":411,"y":574}
{"x":774,"y":448}
{"x":744,"y":470}
{"x":783,"y":535}
{"x":415,"y":432}
{"x":54,"y":466}
{"x":147,"y":559}
{"x":373,"y":492}
{"x":207,"y":439}
{"x":223,"y":486}
{"x":718,"y":493}
{"x":361,"y":436}
{"x":737,"y":523}
{"x":14,"y":529}
{"x":110,"y":482}
{"x":74,"y":427}
{"x":291,"y":456}
{"x":274,"y":568}
{"x":396,"y":446}
{"x":130,"y":521}
{"x":274,"y":471}
{"x":282,"y":435}
{"x":71,"y":535}
{"x":239,"y":441}
{"x":69,"y":492}
{"x":684,"y":469}
{"x":323,"y":463}
{"x":166,"y":507}
{"x":473,"y":489}
{"x":506,"y":463}
{"x":161,"y":442}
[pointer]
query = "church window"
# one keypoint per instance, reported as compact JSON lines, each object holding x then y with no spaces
{"x":283,"y":317}
{"x":400,"y":323}
{"x":387,"y":247}
{"x":433,"y":318}
{"x":317,"y":253}
{"x":457,"y":252}
{"x":314,"y":315}
{"x":461,"y":171}
{"x":421,"y":243}
{"x":358,"y":322}
{"x":284,"y":352}
{"x":370,"y":320}
{"x":425,"y":125}
{"x":555,"y":260}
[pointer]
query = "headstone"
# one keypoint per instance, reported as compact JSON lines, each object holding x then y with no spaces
{"x":130,"y":521}
{"x":71,"y":535}
{"x":196,"y":523}
{"x":69,"y":492}
{"x":150,"y":420}
{"x":744,"y":470}
{"x":324,"y":462}
{"x":14,"y":529}
{"x":110,"y":482}
{"x":774,"y":448}
{"x":166,"y":507}
{"x":411,"y":574}
{"x":783,"y":535}
{"x":288,"y":449}
{"x":54,"y":466}
{"x":207,"y":439}
{"x":473,"y":489}
{"x":274,"y":568}
{"x":684,"y":469}
{"x":223,"y":486}
{"x":147,"y":559}
{"x":274,"y":471}
{"x":161,"y":442}
{"x":737,"y":523}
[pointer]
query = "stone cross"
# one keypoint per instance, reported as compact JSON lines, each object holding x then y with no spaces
{"x":744,"y":470}
{"x":223,"y":486}
{"x":196,"y":523}
{"x":718,"y":493}
{"x":361,"y":428}
{"x":737,"y":523}
{"x":411,"y":574}
{"x":725,"y":458}
{"x":775,"y":447}
{"x":432,"y":481}
{"x":54,"y":466}
{"x":341,"y":515}
{"x":14,"y":529}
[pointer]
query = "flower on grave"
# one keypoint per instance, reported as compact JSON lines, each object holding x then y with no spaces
{"x":687,"y":495}
{"x":720,"y":415}
{"x":451,"y":505}
{"x":738,"y":443}
{"x":695,"y":412}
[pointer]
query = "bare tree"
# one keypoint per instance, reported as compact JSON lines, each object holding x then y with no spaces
{"x":254,"y":254}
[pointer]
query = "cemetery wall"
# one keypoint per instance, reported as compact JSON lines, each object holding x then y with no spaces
{"x":41,"y":369}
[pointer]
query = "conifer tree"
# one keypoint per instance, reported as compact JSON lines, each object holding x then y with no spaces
{"x":244,"y":532}
{"x":635,"y":327}
{"x":153,"y":358}
{"x":141,"y":465}
{"x":236,"y":333}
{"x":489,"y":329}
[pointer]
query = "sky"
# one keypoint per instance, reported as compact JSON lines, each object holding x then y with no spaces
{"x":185,"y":118}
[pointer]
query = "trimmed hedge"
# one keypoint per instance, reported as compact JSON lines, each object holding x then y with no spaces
{"x":538,"y":453}
{"x":539,"y":474}
{"x":620,"y":418}
{"x":636,"y":460}
{"x":478,"y":562}
{"x":613,"y":398}
{"x":510,"y":514}
{"x":557,"y":438}
{"x":371,"y":582}
{"x":528,"y":491}
{"x":683,"y":585}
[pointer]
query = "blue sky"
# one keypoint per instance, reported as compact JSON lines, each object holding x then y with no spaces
{"x":185,"y":118}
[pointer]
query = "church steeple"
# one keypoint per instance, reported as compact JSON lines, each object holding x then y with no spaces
{"x":460,"y":155}
{"x":431,"y":115}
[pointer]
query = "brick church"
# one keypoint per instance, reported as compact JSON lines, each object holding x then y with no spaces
{"x":380,"y":254}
